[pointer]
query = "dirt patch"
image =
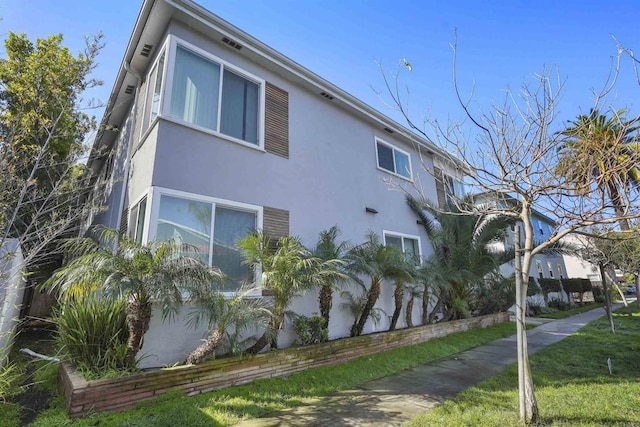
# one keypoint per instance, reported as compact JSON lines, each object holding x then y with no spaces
{"x":34,"y":398}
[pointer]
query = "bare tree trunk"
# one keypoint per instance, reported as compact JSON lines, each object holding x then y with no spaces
{"x":409,"y":312}
{"x":208,"y":347}
{"x":607,"y":298}
{"x":372,"y":297}
{"x":398,"y":296}
{"x":637,"y":277}
{"x":526,"y":395}
{"x":138,"y":319}
{"x":611,"y":277}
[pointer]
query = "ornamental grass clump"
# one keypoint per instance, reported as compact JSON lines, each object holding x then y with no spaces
{"x":93,"y":334}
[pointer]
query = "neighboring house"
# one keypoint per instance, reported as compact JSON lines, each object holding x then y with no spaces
{"x":543,"y":265}
{"x":209,"y":134}
{"x":576,"y":265}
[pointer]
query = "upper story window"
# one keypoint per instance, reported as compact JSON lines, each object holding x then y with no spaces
{"x":393,"y":160}
{"x":194,"y":87}
{"x":405,"y":243}
{"x":453,"y":187}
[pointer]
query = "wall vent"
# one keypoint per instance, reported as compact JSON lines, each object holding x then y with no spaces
{"x":146,"y":50}
{"x":326,"y":95}
{"x":231,"y":43}
{"x":129,"y":89}
{"x":388,"y":130}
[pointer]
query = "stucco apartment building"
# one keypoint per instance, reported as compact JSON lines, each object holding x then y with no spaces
{"x":209,"y":134}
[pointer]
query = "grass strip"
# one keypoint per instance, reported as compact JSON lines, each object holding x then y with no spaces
{"x":228,"y":406}
{"x":572,"y":312}
{"x":572,"y":382}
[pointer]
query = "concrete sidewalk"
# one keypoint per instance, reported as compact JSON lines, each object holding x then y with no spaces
{"x":396,"y":399}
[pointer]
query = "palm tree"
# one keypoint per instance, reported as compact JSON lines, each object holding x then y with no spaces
{"x":144,"y":274}
{"x":408,"y":268}
{"x":328,"y":249}
{"x":605,"y":151}
{"x":223,"y":314}
{"x":462,"y":256}
{"x":287,"y":272}
{"x":378,"y":262}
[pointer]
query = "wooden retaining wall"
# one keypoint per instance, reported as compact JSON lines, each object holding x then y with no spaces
{"x":85,"y":397}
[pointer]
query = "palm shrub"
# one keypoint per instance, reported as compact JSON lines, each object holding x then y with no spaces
{"x":227,"y":318}
{"x":377,"y":262}
{"x":328,"y":248}
{"x":406,"y":272}
{"x":155,"y":273}
{"x":494,"y":294}
{"x":92,"y":333}
{"x":548,"y":286}
{"x":462,"y":255}
{"x":414,"y":291}
{"x":288,"y":271}
{"x":355,"y":302}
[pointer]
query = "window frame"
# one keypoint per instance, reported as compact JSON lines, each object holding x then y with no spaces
{"x":394,"y":149}
{"x":171,"y":46}
{"x":146,"y":123}
{"x":132,"y":224}
{"x":402,"y":236}
{"x":154,"y":213}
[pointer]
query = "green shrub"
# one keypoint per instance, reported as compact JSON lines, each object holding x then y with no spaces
{"x":535,"y":308}
{"x":559,"y":304}
{"x":92,"y":333}
{"x":494,"y":296}
{"x":311,"y":330}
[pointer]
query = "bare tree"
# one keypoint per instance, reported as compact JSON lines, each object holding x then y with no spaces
{"x":513,"y":161}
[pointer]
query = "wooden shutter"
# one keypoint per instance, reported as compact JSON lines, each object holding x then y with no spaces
{"x":442,"y":197}
{"x":276,"y":121}
{"x":275,"y":223}
{"x":124,"y":222}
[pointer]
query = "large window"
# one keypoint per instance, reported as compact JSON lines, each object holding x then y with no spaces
{"x":407,"y":244}
{"x":393,"y":159}
{"x":211,"y":229}
{"x":204,"y":91}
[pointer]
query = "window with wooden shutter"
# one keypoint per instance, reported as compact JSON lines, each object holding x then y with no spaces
{"x":276,"y":122}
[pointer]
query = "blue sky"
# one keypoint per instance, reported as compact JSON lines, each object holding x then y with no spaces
{"x":501,"y":43}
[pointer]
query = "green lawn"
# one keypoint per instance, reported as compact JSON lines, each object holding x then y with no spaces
{"x":572,"y":312}
{"x":573,"y":384}
{"x":226,"y":407}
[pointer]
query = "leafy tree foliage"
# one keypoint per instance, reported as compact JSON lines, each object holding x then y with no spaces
{"x":42,"y":131}
{"x":602,"y":153}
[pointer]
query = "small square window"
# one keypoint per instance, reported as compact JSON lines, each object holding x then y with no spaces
{"x":393,"y":160}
